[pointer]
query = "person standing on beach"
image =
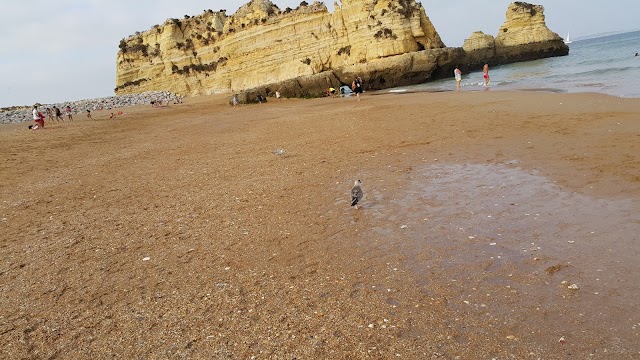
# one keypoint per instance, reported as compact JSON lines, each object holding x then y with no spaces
{"x":234,"y":100}
{"x":458,"y":74}
{"x":356,"y":86}
{"x":89,"y":114}
{"x":35,"y":114}
{"x":68,"y":111}
{"x":49,"y":114}
{"x":58,"y":113}
{"x":485,"y":72}
{"x":278,"y":95}
{"x":38,"y":117}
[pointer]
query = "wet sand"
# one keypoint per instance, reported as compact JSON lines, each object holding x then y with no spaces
{"x":176,"y":232}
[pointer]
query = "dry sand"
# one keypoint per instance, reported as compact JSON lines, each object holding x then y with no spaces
{"x":176,"y":232}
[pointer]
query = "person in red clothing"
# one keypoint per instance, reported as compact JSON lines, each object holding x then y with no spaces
{"x":485,"y":74}
{"x":38,"y":117}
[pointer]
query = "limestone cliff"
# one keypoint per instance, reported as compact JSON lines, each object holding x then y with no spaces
{"x":523,"y":36}
{"x":301,"y":51}
{"x":261,"y":44}
{"x":525,"y":25}
{"x":480,"y":46}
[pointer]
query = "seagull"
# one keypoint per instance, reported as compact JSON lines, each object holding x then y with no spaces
{"x":356,"y":193}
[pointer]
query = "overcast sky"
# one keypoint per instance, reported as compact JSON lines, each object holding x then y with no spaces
{"x":59,"y":50}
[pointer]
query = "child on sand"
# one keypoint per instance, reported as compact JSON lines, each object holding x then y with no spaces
{"x":89,"y":114}
{"x":68,"y":111}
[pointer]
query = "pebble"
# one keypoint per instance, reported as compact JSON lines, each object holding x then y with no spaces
{"x":81,"y":106}
{"x":146,"y":258}
{"x":573,"y":287}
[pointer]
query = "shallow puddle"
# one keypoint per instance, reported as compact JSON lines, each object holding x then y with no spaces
{"x":506,"y":244}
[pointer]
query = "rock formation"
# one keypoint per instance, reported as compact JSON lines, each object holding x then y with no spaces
{"x":524,"y":36}
{"x":479,"y":41}
{"x":302,"y":51}
{"x":18,"y":114}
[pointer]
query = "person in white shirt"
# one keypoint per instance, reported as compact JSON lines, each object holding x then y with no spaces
{"x":38,"y":118}
{"x":458,"y":75}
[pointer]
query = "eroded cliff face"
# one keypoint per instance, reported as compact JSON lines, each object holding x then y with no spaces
{"x":525,"y":25}
{"x":300,"y":52}
{"x":480,"y":46}
{"x":261,"y":44}
{"x":525,"y":36}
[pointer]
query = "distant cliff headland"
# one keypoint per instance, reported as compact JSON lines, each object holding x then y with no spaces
{"x":302,"y":51}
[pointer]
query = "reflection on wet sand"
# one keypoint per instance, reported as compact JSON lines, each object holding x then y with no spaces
{"x":509,"y":244}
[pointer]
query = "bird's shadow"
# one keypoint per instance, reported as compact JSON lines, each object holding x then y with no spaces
{"x":356,"y":215}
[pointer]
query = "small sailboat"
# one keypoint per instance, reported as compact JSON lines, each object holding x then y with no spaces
{"x":568,"y":39}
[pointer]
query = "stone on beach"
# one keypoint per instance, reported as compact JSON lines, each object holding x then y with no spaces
{"x":23,"y":114}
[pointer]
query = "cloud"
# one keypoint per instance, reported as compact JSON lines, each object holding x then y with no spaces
{"x":61,"y":50}
{"x":66,"y":49}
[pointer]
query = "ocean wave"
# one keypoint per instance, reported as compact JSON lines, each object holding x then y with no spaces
{"x":600,"y":85}
{"x":608,"y":70}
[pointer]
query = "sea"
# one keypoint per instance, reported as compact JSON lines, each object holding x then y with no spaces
{"x":602,"y":65}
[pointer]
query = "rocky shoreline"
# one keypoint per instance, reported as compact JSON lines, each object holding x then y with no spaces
{"x":17,"y":115}
{"x":302,"y":52}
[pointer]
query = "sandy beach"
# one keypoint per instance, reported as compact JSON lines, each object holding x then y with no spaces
{"x":493,"y":225}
